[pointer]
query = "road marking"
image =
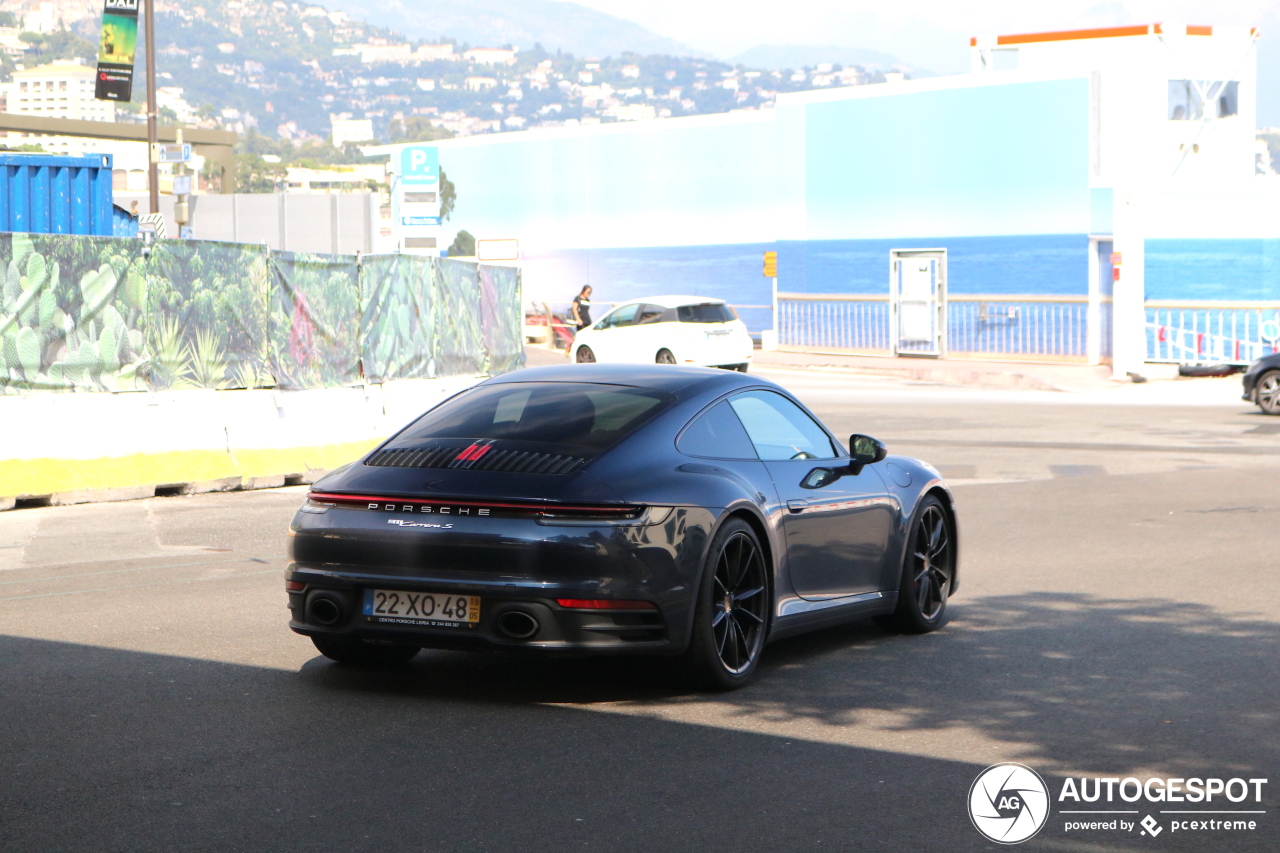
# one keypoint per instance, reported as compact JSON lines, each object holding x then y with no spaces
{"x":137,"y":585}
{"x":118,"y":571}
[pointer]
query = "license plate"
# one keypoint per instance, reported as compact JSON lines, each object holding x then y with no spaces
{"x":429,"y":609}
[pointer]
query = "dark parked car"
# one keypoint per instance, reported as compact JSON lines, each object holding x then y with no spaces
{"x":608,"y":509}
{"x":1262,"y":383}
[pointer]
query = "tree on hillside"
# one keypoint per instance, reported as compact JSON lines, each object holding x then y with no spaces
{"x":417,"y":129}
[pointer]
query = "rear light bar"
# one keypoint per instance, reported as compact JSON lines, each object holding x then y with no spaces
{"x":294,"y":586}
{"x":604,"y":604}
{"x":509,"y":509}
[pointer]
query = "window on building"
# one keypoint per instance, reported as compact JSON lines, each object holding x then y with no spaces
{"x":62,"y":85}
{"x":22,"y":87}
{"x":1196,"y":100}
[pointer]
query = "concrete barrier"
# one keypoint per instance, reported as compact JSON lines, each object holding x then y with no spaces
{"x":75,"y":448}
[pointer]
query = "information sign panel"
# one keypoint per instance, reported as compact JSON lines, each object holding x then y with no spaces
{"x":117,"y":47}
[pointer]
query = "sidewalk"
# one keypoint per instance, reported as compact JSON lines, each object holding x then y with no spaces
{"x":990,"y":374}
{"x":959,"y":371}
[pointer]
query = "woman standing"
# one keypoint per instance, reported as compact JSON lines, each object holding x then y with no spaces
{"x":581,"y":311}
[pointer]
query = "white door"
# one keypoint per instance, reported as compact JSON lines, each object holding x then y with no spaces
{"x":609,"y":337}
{"x":917,"y":297}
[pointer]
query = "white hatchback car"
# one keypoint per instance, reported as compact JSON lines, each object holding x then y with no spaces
{"x":667,"y":330}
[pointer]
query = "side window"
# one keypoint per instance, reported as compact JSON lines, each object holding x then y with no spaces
{"x":624,"y":316}
{"x":780,"y":429}
{"x":717,"y":434}
{"x":650,"y":314}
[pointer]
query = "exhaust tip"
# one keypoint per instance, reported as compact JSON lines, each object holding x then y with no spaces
{"x":325,"y":611}
{"x":517,"y":624}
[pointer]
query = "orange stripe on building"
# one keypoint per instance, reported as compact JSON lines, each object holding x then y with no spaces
{"x":1199,"y":31}
{"x":1073,"y":35}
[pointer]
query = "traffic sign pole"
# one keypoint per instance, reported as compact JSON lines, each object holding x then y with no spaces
{"x":153,"y":171}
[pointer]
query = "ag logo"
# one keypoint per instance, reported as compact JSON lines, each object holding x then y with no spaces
{"x":1008,"y":803}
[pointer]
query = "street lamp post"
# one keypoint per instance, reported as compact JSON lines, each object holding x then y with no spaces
{"x":153,"y":172}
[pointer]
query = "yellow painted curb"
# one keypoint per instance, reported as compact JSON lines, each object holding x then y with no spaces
{"x":19,"y":477}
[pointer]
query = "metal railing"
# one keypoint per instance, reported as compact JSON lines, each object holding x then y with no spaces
{"x":1203,"y":332}
{"x":1022,"y":326}
{"x":853,"y":323}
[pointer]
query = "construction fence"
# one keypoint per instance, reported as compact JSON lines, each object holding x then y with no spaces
{"x":111,"y":314}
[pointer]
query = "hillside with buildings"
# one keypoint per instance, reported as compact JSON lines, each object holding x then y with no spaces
{"x":304,"y":72}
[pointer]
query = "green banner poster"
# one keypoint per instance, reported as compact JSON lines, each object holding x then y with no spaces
{"x":116,"y":50}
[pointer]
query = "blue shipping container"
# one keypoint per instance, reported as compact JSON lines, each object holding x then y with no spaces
{"x":52,"y":194}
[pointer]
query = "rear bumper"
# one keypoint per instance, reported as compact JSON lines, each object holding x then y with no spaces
{"x":511,"y":564}
{"x":559,"y":629}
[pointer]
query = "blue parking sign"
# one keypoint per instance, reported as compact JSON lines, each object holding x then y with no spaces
{"x":420,"y":164}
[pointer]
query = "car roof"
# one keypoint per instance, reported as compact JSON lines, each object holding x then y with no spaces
{"x":677,"y":379}
{"x":673,"y":301}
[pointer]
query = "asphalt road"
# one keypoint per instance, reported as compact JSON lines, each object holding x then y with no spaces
{"x":1120,"y":616}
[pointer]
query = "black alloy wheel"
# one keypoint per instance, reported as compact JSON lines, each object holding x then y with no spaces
{"x":927,"y":571}
{"x":732,"y":612}
{"x":364,"y":652}
{"x":665,"y":357}
{"x":1268,"y":392}
{"x":585,"y":355}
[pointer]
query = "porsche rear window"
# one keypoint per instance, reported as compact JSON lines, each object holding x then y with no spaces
{"x":562,"y":413}
{"x":711,"y":312}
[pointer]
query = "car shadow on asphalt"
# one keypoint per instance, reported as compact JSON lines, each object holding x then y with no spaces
{"x":1091,"y":681}
{"x":155,"y":751}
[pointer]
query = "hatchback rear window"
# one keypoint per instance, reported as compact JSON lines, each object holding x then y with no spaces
{"x":711,"y":312}
{"x":584,"y":415}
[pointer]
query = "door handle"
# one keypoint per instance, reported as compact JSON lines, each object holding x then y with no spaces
{"x":797,"y":506}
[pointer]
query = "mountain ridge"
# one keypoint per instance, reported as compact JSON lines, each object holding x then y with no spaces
{"x":779,"y":57}
{"x":555,"y":24}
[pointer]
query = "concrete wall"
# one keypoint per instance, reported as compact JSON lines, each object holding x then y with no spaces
{"x":71,"y":448}
{"x":333,"y":223}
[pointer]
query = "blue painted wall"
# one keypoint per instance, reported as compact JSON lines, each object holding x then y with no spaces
{"x":661,"y":183}
{"x":688,"y":206}
{"x":1212,"y":269}
{"x":996,"y":159}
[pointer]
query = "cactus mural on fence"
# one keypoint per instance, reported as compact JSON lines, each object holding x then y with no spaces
{"x":216,"y":295}
{"x":501,"y":318}
{"x":398,"y":322}
{"x":100,"y":314}
{"x":315,"y":320}
{"x":459,"y":341}
{"x":72,"y":315}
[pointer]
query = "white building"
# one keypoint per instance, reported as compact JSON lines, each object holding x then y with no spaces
{"x":490,"y":56}
{"x":351,"y":130}
{"x":1196,"y":86}
{"x":434,"y":52}
{"x":58,"y":90}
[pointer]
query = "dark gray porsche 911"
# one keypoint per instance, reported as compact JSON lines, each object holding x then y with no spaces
{"x":609,"y":509}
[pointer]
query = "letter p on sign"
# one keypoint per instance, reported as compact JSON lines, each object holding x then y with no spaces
{"x":420,"y":164}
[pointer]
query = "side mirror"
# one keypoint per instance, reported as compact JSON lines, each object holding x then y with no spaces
{"x":866,"y":450}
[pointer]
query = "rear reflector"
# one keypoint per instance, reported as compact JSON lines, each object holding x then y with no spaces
{"x":605,"y":604}
{"x":294,"y":586}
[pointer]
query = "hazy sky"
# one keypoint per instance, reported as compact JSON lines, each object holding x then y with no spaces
{"x":931,"y":34}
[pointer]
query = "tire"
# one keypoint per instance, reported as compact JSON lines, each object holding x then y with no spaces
{"x":1267,"y":392}
{"x":585,"y":355}
{"x":665,"y":357}
{"x":731,"y":614}
{"x":364,"y":652}
{"x":741,"y":368}
{"x":927,"y":571}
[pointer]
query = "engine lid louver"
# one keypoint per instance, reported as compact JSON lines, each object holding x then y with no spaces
{"x":477,"y":456}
